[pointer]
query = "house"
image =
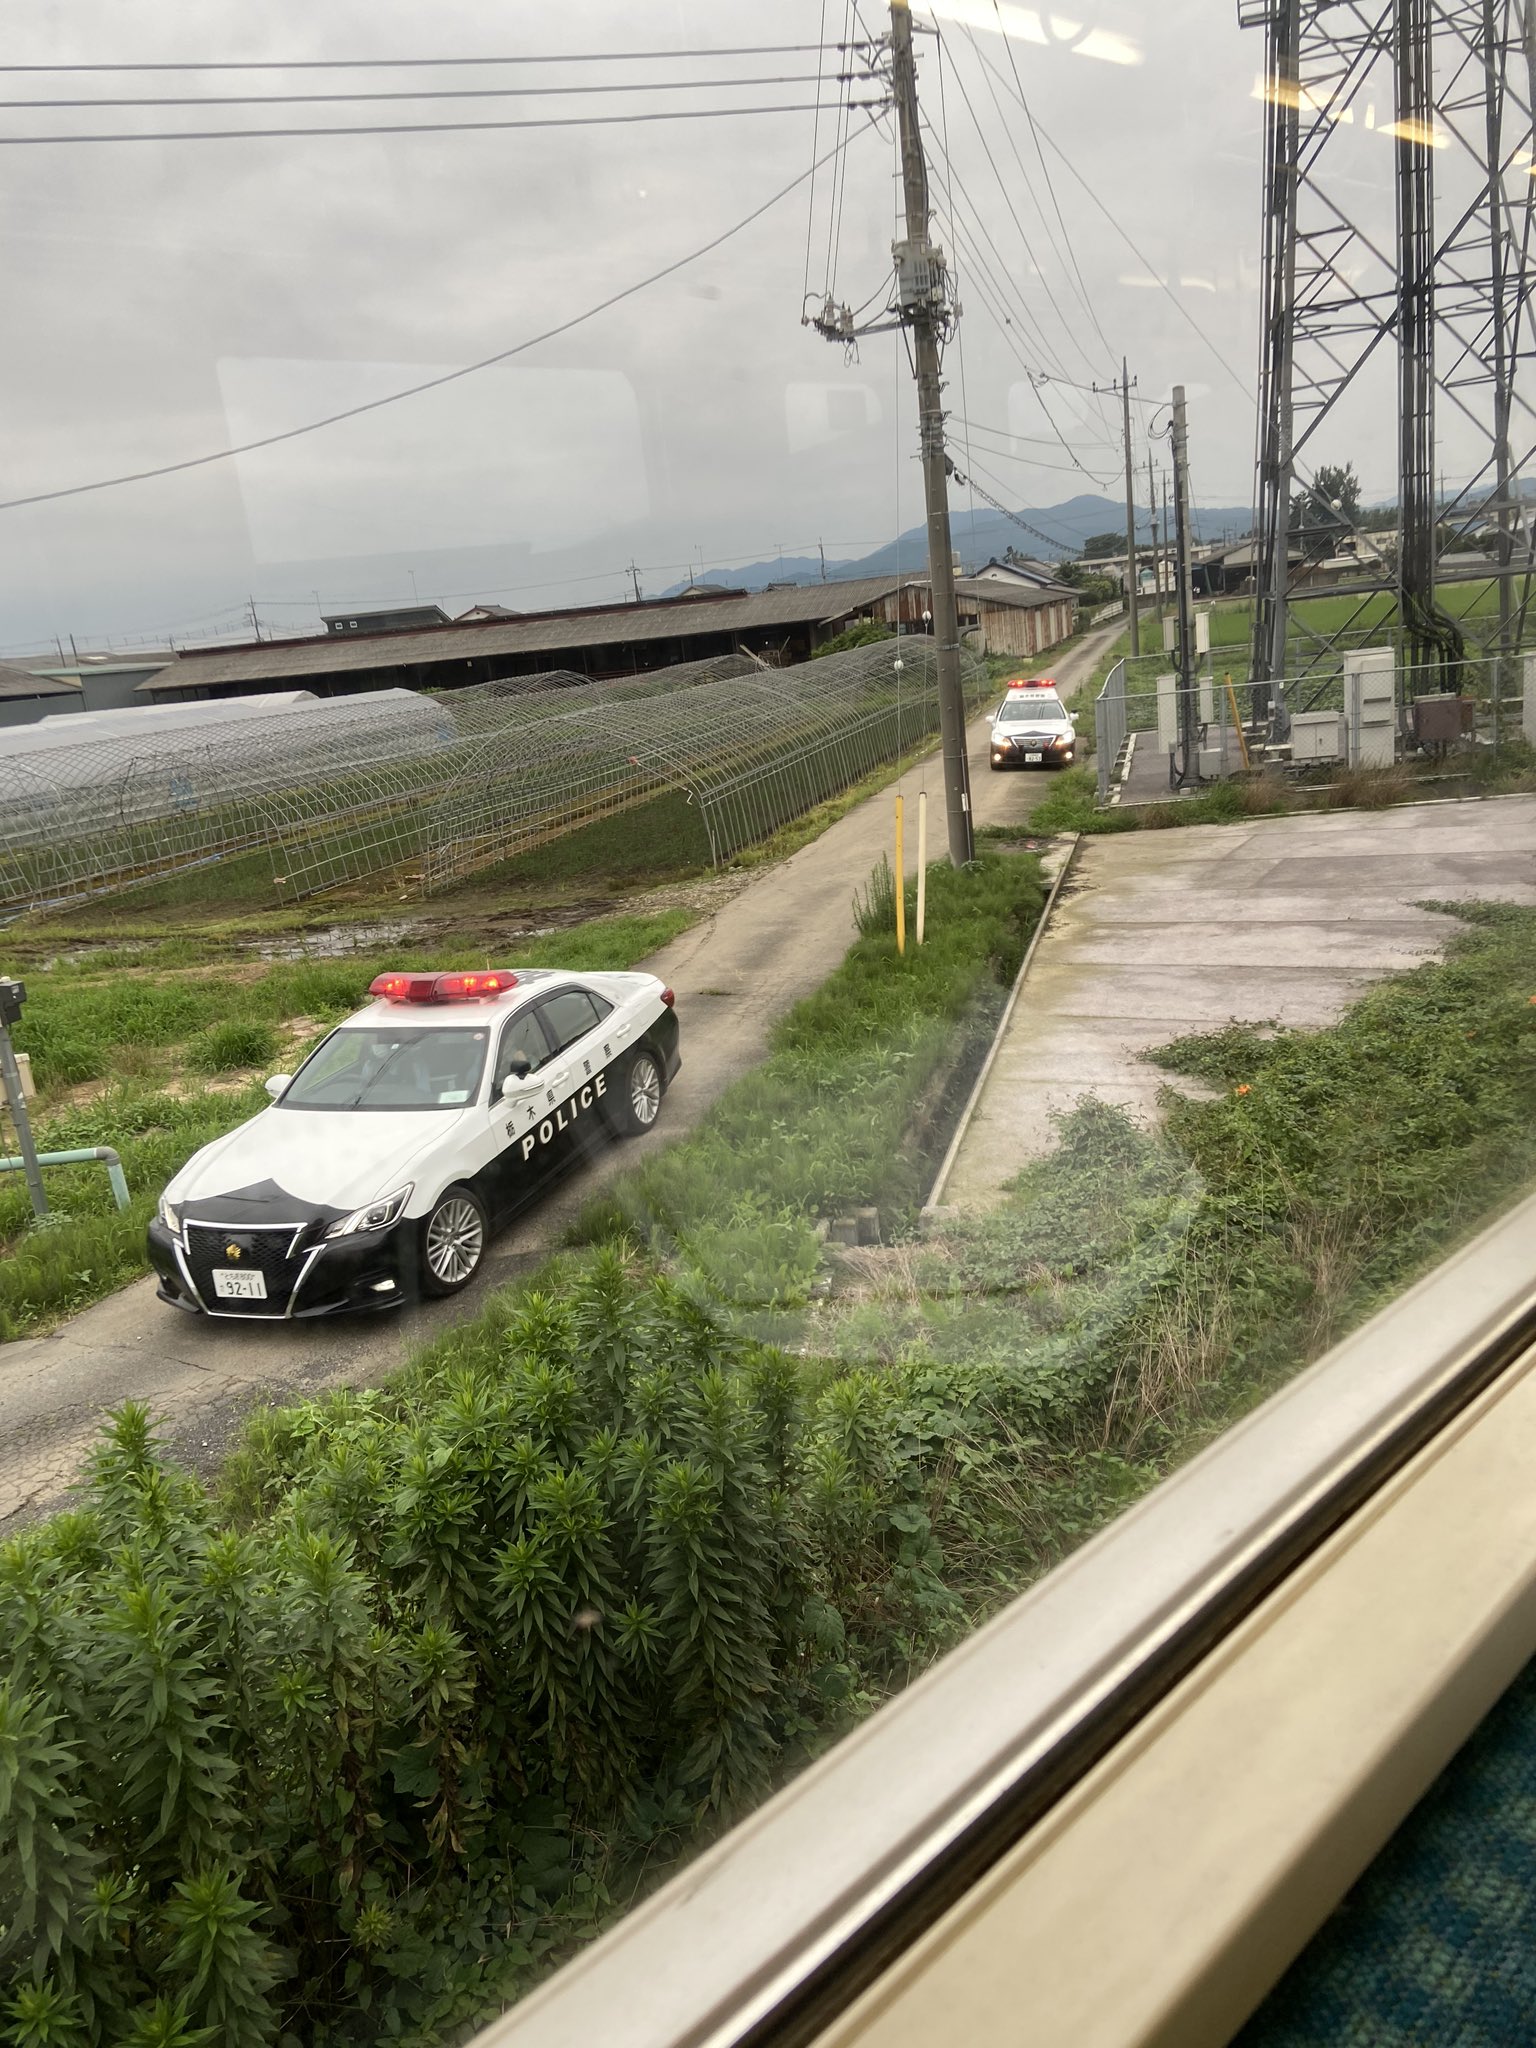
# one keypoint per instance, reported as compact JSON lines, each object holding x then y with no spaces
{"x":1034,"y":575}
{"x":1013,"y":618}
{"x":405,"y":618}
{"x":25,"y":698}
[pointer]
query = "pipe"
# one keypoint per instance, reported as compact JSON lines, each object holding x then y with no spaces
{"x":114,"y":1167}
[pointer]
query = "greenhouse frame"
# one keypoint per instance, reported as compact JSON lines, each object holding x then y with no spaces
{"x":435,"y":788}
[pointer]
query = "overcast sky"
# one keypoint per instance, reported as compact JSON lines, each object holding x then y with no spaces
{"x":165,"y":300}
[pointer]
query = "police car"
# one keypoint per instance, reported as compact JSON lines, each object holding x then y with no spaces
{"x":1032,"y":728}
{"x":413,"y":1130}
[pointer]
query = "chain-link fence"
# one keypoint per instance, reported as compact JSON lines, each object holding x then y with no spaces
{"x":1349,"y":707}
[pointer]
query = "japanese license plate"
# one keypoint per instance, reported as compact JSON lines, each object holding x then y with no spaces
{"x":232,"y":1286}
{"x":1034,"y":757}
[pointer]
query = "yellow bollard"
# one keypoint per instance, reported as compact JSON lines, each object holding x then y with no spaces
{"x":901,"y":883}
{"x":1237,"y":719}
{"x":922,"y":862}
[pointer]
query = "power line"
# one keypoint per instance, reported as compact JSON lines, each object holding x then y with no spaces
{"x":1033,"y":440}
{"x":426,"y":127}
{"x":444,"y":92}
{"x":432,"y":383}
{"x":1067,"y":325}
{"x":1050,"y":187}
{"x":1141,"y":257}
{"x":1051,"y":540}
{"x":435,"y":63}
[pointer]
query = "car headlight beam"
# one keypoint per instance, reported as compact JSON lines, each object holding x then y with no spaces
{"x":373,"y":1215}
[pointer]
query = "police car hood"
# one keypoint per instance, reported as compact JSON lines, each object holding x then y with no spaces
{"x":288,"y":1163}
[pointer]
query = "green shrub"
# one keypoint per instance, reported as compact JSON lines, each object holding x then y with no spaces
{"x":346,"y":1768}
{"x":225,"y":1048}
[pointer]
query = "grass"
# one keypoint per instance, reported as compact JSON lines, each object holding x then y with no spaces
{"x":157,"y":1036}
{"x":1140,"y":1289}
{"x":603,"y":1441}
{"x":825,"y":1124}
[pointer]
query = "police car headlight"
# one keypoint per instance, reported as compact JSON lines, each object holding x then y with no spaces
{"x":169,"y":1218}
{"x":377,"y":1215}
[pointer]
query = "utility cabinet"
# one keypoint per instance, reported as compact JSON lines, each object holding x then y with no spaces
{"x":1370,"y":707}
{"x":1317,"y":736}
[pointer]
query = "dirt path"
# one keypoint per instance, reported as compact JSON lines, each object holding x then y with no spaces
{"x":735,"y":973}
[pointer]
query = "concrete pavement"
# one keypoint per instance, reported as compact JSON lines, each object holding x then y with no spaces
{"x":735,"y":974}
{"x":1157,"y":934}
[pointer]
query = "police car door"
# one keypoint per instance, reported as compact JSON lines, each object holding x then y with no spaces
{"x":519,"y":1165}
{"x":575,"y":1082}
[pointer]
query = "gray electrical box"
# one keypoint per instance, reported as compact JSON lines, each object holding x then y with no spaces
{"x":1317,"y":736}
{"x":1370,"y":706}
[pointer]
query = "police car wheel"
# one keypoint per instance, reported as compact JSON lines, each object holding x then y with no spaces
{"x":452,"y":1242}
{"x":640,"y":1095}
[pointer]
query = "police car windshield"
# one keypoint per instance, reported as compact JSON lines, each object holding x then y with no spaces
{"x":391,"y":1067}
{"x":1034,"y":704}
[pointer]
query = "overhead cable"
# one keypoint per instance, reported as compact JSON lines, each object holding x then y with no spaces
{"x":429,"y":127}
{"x":628,"y":291}
{"x":1049,"y":183}
{"x":438,"y":92}
{"x":434,"y":63}
{"x":1068,"y":326}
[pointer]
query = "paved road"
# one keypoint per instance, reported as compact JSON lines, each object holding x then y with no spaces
{"x":1159,"y":934}
{"x":735,"y":973}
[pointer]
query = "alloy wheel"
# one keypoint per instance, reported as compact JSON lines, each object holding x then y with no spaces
{"x":455,"y":1240}
{"x":645,"y":1091}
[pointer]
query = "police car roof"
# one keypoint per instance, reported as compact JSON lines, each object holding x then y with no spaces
{"x":459,"y":1012}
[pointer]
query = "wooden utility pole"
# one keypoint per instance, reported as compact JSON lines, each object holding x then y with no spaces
{"x":1157,"y":546}
{"x":922,"y":299}
{"x":1132,"y":585}
{"x":1188,"y":757}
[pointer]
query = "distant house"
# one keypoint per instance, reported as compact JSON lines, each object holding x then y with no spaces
{"x":25,"y":697}
{"x":1034,"y":575}
{"x":477,"y":612}
{"x":1010,"y":617}
{"x":405,"y":618}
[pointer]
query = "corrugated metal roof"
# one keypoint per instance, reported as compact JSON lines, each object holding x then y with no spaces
{"x":20,"y":682}
{"x":991,"y":590}
{"x":622,"y":625}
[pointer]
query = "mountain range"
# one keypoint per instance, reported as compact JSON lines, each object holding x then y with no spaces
{"x":979,"y":536}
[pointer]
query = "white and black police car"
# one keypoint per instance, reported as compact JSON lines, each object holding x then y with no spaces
{"x":411,"y":1132}
{"x":1032,"y":728}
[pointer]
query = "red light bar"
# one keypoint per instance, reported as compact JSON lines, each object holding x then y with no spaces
{"x":442,"y":988}
{"x":668,"y":998}
{"x":465,"y":988}
{"x":1036,"y":683}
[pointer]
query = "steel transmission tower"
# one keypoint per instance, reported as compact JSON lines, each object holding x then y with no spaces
{"x":1397,"y":269}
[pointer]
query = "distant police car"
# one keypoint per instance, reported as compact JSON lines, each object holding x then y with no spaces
{"x":432,"y":1115}
{"x":1032,"y":728}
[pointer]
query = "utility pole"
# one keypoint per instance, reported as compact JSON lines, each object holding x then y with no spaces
{"x":1132,"y":585}
{"x":1157,"y":555}
{"x":922,"y":305}
{"x":1187,"y":757}
{"x":922,"y":298}
{"x":255,"y":622}
{"x":635,"y":573}
{"x":823,"y":554}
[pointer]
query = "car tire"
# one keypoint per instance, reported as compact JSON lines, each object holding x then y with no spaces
{"x":454,"y":1234}
{"x":642,"y":1083}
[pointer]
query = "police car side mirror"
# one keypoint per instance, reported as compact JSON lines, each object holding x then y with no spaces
{"x":277,"y":1084}
{"x":519,"y":1068}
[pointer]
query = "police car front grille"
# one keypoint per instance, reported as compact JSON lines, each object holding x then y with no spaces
{"x":261,"y":1251}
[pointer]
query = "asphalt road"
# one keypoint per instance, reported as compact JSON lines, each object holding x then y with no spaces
{"x":735,"y":973}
